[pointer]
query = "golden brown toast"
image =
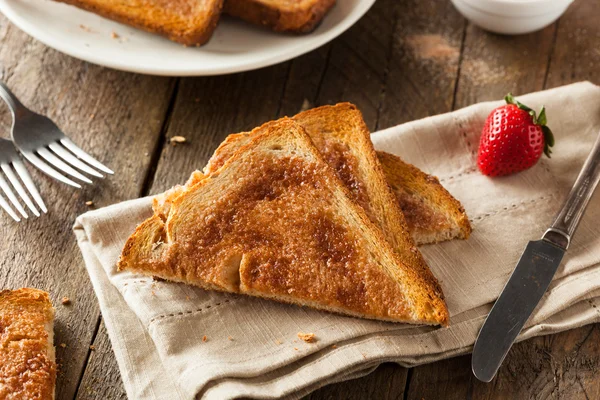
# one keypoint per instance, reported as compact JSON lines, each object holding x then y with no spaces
{"x":274,"y":221}
{"x":343,"y":139}
{"x":190,"y":22}
{"x":432,"y":214}
{"x":27,"y":361}
{"x":296,"y":16}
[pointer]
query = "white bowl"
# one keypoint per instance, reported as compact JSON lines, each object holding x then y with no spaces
{"x":512,"y":17}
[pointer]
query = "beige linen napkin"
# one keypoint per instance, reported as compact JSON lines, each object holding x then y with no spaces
{"x":174,"y":341}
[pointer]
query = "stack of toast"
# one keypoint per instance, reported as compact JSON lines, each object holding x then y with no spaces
{"x":192,"y":22}
{"x":303,"y":210}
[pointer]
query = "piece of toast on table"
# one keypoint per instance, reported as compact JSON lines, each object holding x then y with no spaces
{"x":274,"y":221}
{"x":294,"y":16}
{"x":190,"y":22}
{"x":432,"y":214}
{"x":27,"y":361}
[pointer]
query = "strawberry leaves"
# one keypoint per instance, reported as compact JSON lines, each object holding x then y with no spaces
{"x":539,"y":119}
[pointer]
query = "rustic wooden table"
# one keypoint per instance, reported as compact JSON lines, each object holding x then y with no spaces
{"x":404,"y":60}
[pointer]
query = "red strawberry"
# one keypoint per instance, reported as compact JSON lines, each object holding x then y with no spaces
{"x":513,"y":139}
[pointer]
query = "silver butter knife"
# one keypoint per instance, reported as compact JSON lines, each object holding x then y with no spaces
{"x":533,"y":275}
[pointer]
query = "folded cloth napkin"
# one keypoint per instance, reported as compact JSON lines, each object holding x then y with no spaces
{"x":174,"y":341}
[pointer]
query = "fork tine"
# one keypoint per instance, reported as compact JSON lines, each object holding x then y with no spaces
{"x":26,"y":178}
{"x":35,"y":160}
{"x":58,"y":163}
{"x":71,"y":159}
{"x":9,"y":210}
{"x":20,"y":190}
{"x":11,"y":196}
{"x":85,"y":156}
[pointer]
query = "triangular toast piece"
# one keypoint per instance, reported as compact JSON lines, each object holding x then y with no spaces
{"x":275,"y":222}
{"x":432,"y":214}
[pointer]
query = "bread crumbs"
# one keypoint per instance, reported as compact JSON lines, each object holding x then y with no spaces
{"x":204,"y":338}
{"x":92,"y":347}
{"x":278,"y":342}
{"x":295,"y":348}
{"x":229,"y":338}
{"x":65,"y":301}
{"x":114,"y":35}
{"x":63,"y":345}
{"x":177,"y":140}
{"x":307,"y":337}
{"x":89,"y":203}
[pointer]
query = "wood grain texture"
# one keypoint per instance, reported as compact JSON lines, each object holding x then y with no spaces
{"x":387,"y":382}
{"x":424,"y":62}
{"x":576,"y":56}
{"x":493,"y":65}
{"x":102,"y":379}
{"x":358,"y":60}
{"x":116,"y":117}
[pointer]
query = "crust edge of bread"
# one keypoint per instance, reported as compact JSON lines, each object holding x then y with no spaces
{"x":191,"y":37}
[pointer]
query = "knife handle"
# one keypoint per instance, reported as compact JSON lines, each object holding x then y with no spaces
{"x":568,"y":218}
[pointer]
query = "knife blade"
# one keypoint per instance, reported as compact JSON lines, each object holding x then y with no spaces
{"x":532,"y":275}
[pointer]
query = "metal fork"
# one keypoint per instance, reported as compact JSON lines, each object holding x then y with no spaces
{"x":41,"y":142}
{"x":10,"y":163}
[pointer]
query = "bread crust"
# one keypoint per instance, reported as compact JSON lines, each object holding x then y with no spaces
{"x":302,"y":17}
{"x":27,"y":367}
{"x":189,"y":30}
{"x":450,"y":220}
{"x":142,"y":255}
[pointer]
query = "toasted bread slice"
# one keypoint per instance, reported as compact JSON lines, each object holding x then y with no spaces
{"x":432,"y":214}
{"x":343,"y":139}
{"x":275,"y":222}
{"x":190,"y":22}
{"x":27,"y":361}
{"x":295,"y":16}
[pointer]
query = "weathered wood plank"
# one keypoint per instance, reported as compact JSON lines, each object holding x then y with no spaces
{"x":102,"y":379}
{"x":358,"y":62}
{"x":207,"y":110}
{"x":424,"y":63}
{"x":576,"y":56}
{"x":387,"y":382}
{"x":117,"y":118}
{"x":493,"y":65}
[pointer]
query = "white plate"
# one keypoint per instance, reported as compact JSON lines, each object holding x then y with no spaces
{"x":234,"y":47}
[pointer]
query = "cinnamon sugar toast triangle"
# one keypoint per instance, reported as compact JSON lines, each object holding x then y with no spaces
{"x":274,"y":221}
{"x":431,"y":212}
